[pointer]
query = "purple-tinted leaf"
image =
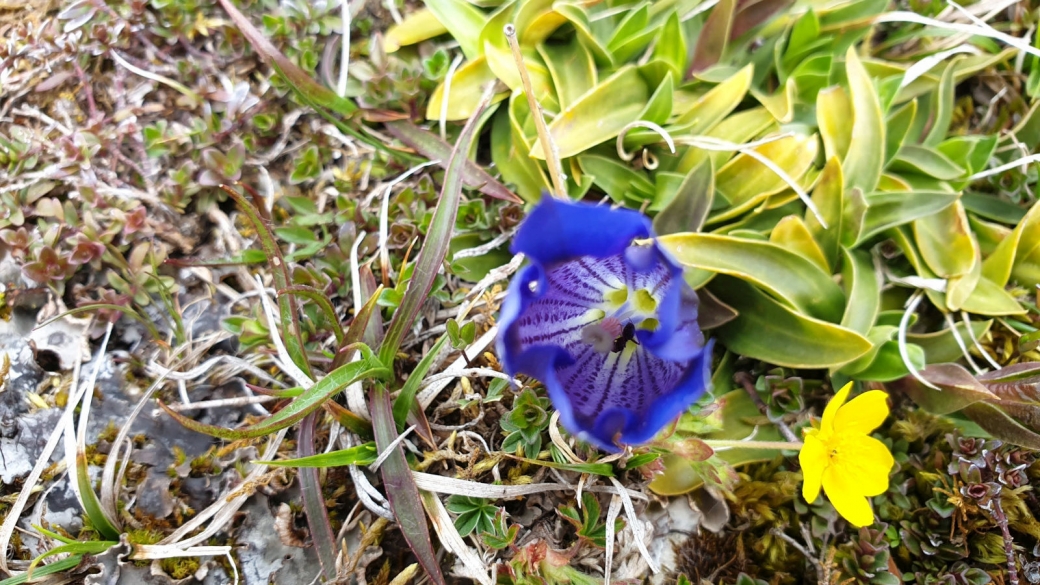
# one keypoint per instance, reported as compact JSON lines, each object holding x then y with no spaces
{"x":435,"y":248}
{"x":314,"y":502}
{"x":375,"y":331}
{"x":1025,"y":372}
{"x":401,"y":491}
{"x":312,"y":91}
{"x":432,"y":147}
{"x":1026,"y":413}
{"x":751,"y":13}
{"x":324,"y":304}
{"x":714,"y":37}
{"x":213,"y":159}
{"x":999,"y":424}
{"x":208,"y":178}
{"x":357,"y":329}
{"x":713,"y":312}
{"x":959,"y":389}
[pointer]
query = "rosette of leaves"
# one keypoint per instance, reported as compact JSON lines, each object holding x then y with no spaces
{"x":866,"y":557}
{"x":525,"y":423}
{"x":849,"y":155}
{"x":587,"y":523}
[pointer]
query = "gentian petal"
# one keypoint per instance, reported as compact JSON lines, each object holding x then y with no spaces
{"x":562,"y":320}
{"x":558,"y":230}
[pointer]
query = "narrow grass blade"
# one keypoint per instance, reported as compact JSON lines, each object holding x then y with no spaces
{"x":315,"y":295}
{"x":363,"y":454}
{"x":313,"y":399}
{"x":313,"y":502}
{"x":298,"y":78}
{"x":91,"y":503}
{"x":437,"y":239}
{"x":401,"y":491}
{"x":58,"y":567}
{"x":348,"y":419}
{"x":356,"y":330}
{"x":90,"y":547}
{"x":406,"y":398}
{"x":432,"y":147}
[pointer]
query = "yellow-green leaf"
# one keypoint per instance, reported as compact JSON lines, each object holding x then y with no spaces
{"x":599,"y":115}
{"x":737,"y":128}
{"x":467,"y":86}
{"x":572,"y":69}
{"x":745,"y":182}
{"x":463,"y":20}
{"x":767,"y":330}
{"x":862,"y":289}
{"x":887,"y":209}
{"x":862,"y":165}
{"x":716,"y":104}
{"x":829,"y":198}
{"x":792,"y":234}
{"x":945,"y":241}
{"x":418,"y":26}
{"x":1016,"y":252}
{"x":509,"y":153}
{"x":941,"y":346}
{"x":785,"y":274}
{"x":992,"y":300}
{"x":833,"y":112}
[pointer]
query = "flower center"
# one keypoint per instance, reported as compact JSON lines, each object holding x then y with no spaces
{"x":616,"y":319}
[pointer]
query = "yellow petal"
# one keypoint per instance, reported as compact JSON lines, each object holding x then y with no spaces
{"x":829,"y":413}
{"x":865,"y":463}
{"x":813,"y":459}
{"x":863,"y":413}
{"x":852,"y":505}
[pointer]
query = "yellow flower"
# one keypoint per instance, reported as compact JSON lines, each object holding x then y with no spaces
{"x":842,"y":457}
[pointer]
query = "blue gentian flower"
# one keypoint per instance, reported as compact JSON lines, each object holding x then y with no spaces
{"x":603,"y":318}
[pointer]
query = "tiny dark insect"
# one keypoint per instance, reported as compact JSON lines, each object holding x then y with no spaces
{"x":627,"y":334}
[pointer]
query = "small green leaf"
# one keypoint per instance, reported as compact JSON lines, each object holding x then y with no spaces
{"x":833,"y":112}
{"x":945,"y":242}
{"x":406,"y":398}
{"x":364,"y":454}
{"x":467,"y":85}
{"x":1016,"y":252}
